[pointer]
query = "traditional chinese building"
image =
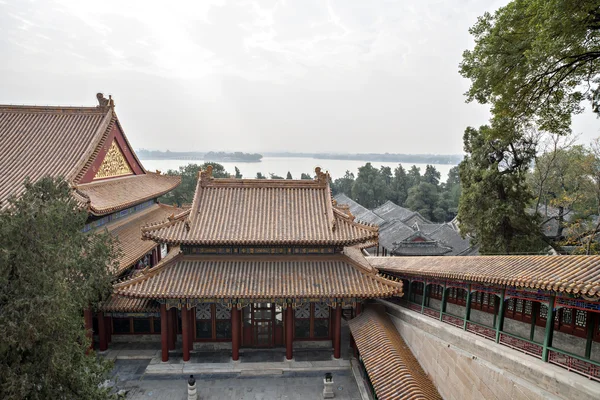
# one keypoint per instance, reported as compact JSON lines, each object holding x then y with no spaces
{"x":87,"y":146}
{"x":262,"y":263}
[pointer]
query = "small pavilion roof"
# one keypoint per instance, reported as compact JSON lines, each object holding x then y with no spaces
{"x":65,"y":142}
{"x":577,"y":275}
{"x":393,"y":370}
{"x":128,"y":233}
{"x":259,"y":277}
{"x":262,"y":212}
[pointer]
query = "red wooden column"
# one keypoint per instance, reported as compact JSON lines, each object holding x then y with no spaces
{"x":289,"y":333}
{"x":170,"y":332}
{"x":235,"y":333}
{"x":358,"y":309}
{"x":337,"y":332}
{"x":102,"y":332}
{"x":192,"y":315}
{"x":175,"y":327}
{"x":88,"y":319}
{"x":164,"y":332}
{"x":108,"y":327}
{"x":185,"y":332}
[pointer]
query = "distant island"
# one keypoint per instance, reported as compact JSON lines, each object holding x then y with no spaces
{"x":222,"y":156}
{"x":452,"y":159}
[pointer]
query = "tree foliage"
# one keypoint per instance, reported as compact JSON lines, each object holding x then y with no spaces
{"x":495,"y":196}
{"x":184,"y":193}
{"x":535,"y":61}
{"x":373,"y":187}
{"x":50,"y":271}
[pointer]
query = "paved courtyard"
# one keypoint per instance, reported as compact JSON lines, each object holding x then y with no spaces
{"x":246,"y":385}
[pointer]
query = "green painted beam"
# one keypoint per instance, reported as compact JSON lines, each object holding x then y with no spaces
{"x":423,"y":297}
{"x":549,"y":328}
{"x":500,"y":319}
{"x":444,"y":302}
{"x":467,"y":308}
{"x":591,"y":324}
{"x":535,"y":310}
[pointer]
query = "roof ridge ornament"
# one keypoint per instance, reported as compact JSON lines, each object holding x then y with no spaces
{"x":104,"y":102}
{"x":321,"y":177}
{"x":205,"y":176}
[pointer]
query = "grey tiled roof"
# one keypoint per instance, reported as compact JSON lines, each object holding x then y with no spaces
{"x":390,"y":211}
{"x":429,"y":248}
{"x":361,"y":213}
{"x":393,"y":232}
{"x":416,"y":218}
{"x":449,"y":237}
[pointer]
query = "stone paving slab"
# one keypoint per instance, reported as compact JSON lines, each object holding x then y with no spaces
{"x":179,"y":367}
{"x":287,"y":385}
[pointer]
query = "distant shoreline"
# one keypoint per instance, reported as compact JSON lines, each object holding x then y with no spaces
{"x":449,"y":159}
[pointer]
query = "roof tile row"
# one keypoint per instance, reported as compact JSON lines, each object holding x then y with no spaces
{"x":393,"y":370}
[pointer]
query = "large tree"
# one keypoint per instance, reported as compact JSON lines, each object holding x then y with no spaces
{"x":370,"y":187}
{"x":50,"y":271}
{"x":495,"y":196}
{"x":343,"y":184}
{"x":423,"y":198}
{"x":400,"y":185}
{"x":535,"y":61}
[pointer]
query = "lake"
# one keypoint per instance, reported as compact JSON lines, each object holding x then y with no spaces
{"x":296,"y":165}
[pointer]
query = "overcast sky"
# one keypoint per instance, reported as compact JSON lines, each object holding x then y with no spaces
{"x":320,"y":76}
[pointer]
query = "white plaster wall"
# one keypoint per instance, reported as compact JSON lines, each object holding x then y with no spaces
{"x":464,"y":366}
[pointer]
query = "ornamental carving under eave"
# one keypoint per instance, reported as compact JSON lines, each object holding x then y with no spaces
{"x":114,"y":164}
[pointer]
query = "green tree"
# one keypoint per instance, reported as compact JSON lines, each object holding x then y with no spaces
{"x":259,"y":175}
{"x":423,"y":198}
{"x":184,"y":193}
{"x":414,"y":176}
{"x":289,"y":175}
{"x":535,"y":61}
{"x":560,"y":179}
{"x":370,"y":188}
{"x":431,"y":175}
{"x":343,"y":184}
{"x":274,"y":176}
{"x":495,"y":195}
{"x":400,"y":185}
{"x":50,"y":271}
{"x":238,"y":174}
{"x":305,"y":176}
{"x":451,"y":192}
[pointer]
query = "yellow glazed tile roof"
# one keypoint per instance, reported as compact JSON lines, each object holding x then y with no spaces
{"x":129,"y":235}
{"x":393,"y":370}
{"x":577,"y":275}
{"x":262,"y":211}
{"x":256,"y":277}
{"x":111,"y":195}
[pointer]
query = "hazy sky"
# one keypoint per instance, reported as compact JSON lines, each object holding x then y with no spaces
{"x":322,"y":76}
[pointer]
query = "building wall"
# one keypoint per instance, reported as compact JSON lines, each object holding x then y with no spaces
{"x":464,"y":366}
